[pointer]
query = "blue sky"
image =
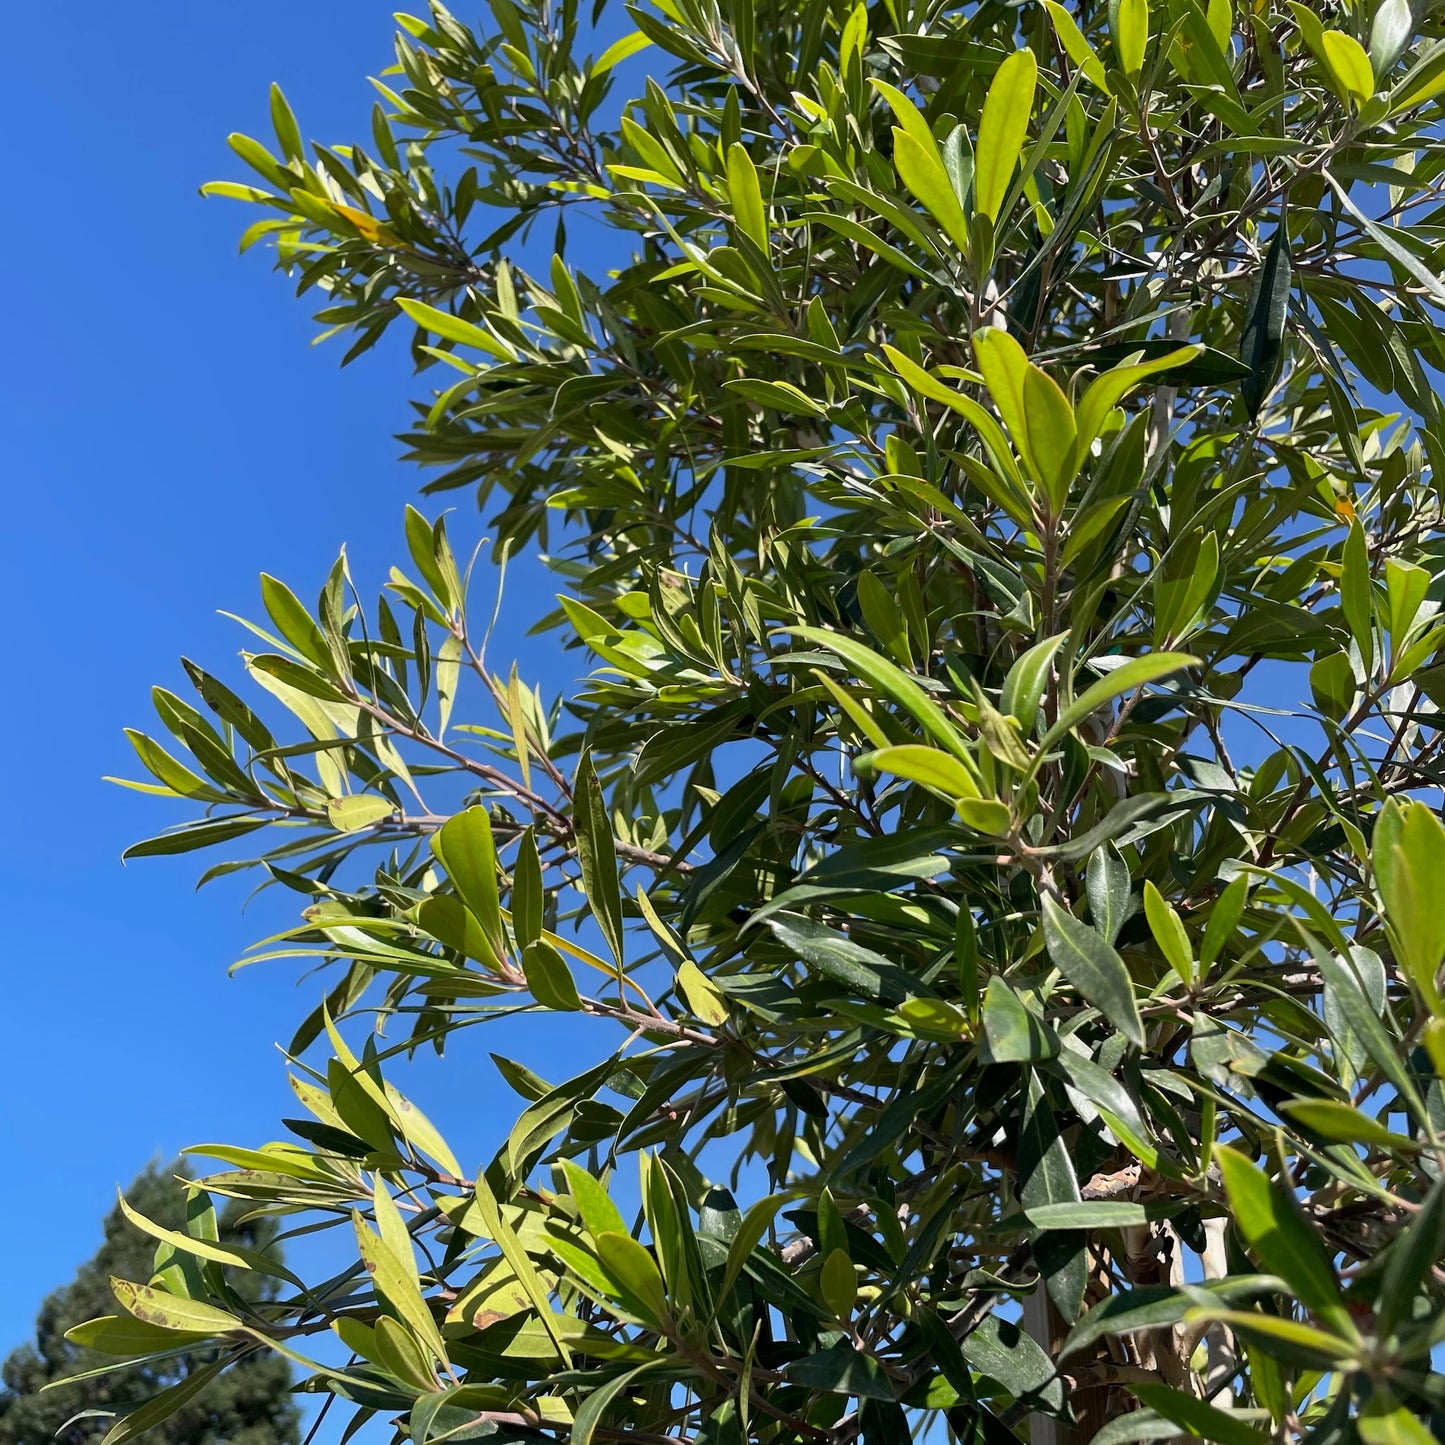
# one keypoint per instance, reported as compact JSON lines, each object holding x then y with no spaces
{"x":169,"y":433}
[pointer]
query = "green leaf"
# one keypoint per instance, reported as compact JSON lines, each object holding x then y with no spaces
{"x":634,"y":1272}
{"x":701,"y":995}
{"x":1013,"y":1034}
{"x":1136,"y":673}
{"x":1168,"y":930}
{"x":420,"y":1132}
{"x":1408,"y":858}
{"x":1336,"y":1120}
{"x":393,"y":1274}
{"x":1333,"y":686}
{"x":842,"y":1370}
{"x":1110,"y":889}
{"x":521,"y":1265}
{"x":1087,"y":1214}
{"x":1076,"y":46}
{"x":1411,"y":1257}
{"x":464,"y":847}
{"x":1351,"y":75}
{"x":747,"y":197}
{"x":1261,"y":345}
{"x":755,"y":1224}
{"x":621,"y":49}
{"x":124,"y":1335}
{"x":595,"y":1403}
{"x":1390,"y":32}
{"x":597,"y":854}
{"x":160,"y":1408}
{"x":1023,"y":688}
{"x":1094,"y":968}
{"x":1002,"y":130}
{"x":1383,"y":1423}
{"x":294,"y":622}
{"x":528,"y":894}
{"x":1357,"y":592}
{"x":444,"y":324}
{"x":1001,"y":1350}
{"x":895,"y":685}
{"x":599,"y":1213}
{"x":1052,"y":434}
{"x":1282,"y":1240}
{"x":202,"y":1248}
{"x":985,"y":815}
{"x":548,"y":977}
{"x":1284,"y":1339}
{"x":1405,"y":588}
{"x":1223,"y":921}
{"x":1105,"y":392}
{"x":1197,"y":1416}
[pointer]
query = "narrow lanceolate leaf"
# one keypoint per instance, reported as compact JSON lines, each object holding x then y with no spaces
{"x":464,"y":847}
{"x":922,"y":171}
{"x":747,"y":197}
{"x":1094,"y":968}
{"x":156,"y":1307}
{"x":393,"y":1274}
{"x":157,"y":1410}
{"x":919,"y":764}
{"x":124,"y":1335}
{"x":1138,"y":672}
{"x":1002,"y":131}
{"x":1023,"y":688}
{"x":1261,"y":345}
{"x":597,"y":854}
{"x":1351,"y":75}
{"x":202,"y":1248}
{"x":1197,"y":1417}
{"x":1168,"y":930}
{"x":1131,"y":35}
{"x":360,"y":810}
{"x":1408,"y":857}
{"x":896,"y":685}
{"x":521,"y":1263}
{"x":1283,"y":1241}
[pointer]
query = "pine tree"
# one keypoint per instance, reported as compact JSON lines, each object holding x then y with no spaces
{"x":247,"y":1405}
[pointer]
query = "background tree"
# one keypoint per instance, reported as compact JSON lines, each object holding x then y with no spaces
{"x":250,"y":1404}
{"x":968,"y":433}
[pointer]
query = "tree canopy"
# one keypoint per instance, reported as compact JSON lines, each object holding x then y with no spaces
{"x":61,"y":1389}
{"x":991,"y":460}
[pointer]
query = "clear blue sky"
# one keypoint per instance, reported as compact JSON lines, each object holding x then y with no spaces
{"x":168,"y":433}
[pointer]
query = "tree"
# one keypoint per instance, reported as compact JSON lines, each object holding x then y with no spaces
{"x":967,"y":435}
{"x":250,"y":1404}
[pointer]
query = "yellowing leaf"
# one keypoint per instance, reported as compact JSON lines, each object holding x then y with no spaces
{"x":1351,"y":75}
{"x":1131,"y":36}
{"x":701,"y":994}
{"x":1076,"y":46}
{"x":360,"y":810}
{"x":922,"y":171}
{"x":932,"y":767}
{"x":1002,"y":130}
{"x":157,"y":1307}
